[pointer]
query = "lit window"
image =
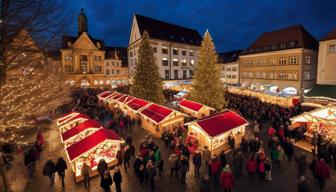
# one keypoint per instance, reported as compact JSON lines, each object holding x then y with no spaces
{"x":332,"y":48}
{"x":107,"y":72}
{"x":184,"y":52}
{"x":191,"y":52}
{"x":282,"y":61}
{"x":175,"y":51}
{"x":175,"y":62}
{"x":184,"y":62}
{"x":192,"y":62}
{"x":292,"y":44}
{"x":273,"y":61}
{"x":308,"y":60}
{"x":164,"y":61}
{"x":307,"y":75}
{"x":164,"y":50}
{"x":293,"y":60}
{"x":282,"y":75}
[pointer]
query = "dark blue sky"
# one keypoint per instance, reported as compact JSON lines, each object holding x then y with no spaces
{"x":233,"y":24}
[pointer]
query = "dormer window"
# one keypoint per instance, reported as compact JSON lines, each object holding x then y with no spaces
{"x":69,"y":44}
{"x":292,"y":44}
{"x":98,"y":45}
{"x":274,"y":47}
{"x":282,"y":45}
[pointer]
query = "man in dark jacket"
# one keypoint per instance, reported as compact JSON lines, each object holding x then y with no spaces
{"x":184,"y":168}
{"x":151,"y":173}
{"x":106,"y":181}
{"x":102,"y":167}
{"x":127,"y":157}
{"x":197,"y":161}
{"x":302,"y":165}
{"x":49,"y":170}
{"x":61,"y":166}
{"x":117,"y":178}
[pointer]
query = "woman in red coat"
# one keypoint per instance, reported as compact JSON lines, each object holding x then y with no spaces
{"x":251,"y":167}
{"x":322,"y":173}
{"x":227,"y":179}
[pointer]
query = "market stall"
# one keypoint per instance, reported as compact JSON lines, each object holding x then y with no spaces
{"x":122,"y":101}
{"x":103,"y":144}
{"x":213,"y":131}
{"x":64,"y":118}
{"x":105,"y":95}
{"x":72,"y":121}
{"x":180,"y":96}
{"x":134,"y":106}
{"x":112,"y":101}
{"x":79,"y":132}
{"x":194,"y":109}
{"x":322,"y":120}
{"x":157,"y":119}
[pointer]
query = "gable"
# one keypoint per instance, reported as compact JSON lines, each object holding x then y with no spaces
{"x":135,"y":32}
{"x":84,"y":42}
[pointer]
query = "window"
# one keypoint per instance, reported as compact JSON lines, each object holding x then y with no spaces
{"x":184,"y":74}
{"x":184,"y":62}
{"x":258,"y":75}
{"x":107,"y":63}
{"x":263,"y":62}
{"x":164,"y":50}
{"x":223,"y":68}
{"x":292,"y":44}
{"x":164,"y":61}
{"x":118,"y":72}
{"x":307,"y":60}
{"x":96,"y":58}
{"x":192,"y":62}
{"x":184,"y":52}
{"x":191,"y":73}
{"x":166,"y":74}
{"x":332,"y":48}
{"x":273,"y":61}
{"x":282,"y":61}
{"x":175,"y":74}
{"x":98,"y":69}
{"x":234,"y":68}
{"x":257,"y":63}
{"x":250,"y":74}
{"x":154,"y":50}
{"x":292,"y":75}
{"x":69,"y":68}
{"x":293,"y":60}
{"x":112,"y":72}
{"x":272,"y":75}
{"x":274,"y":47}
{"x":191,"y":52}
{"x":282,"y":45}
{"x":307,"y":75}
{"x":263,"y":75}
{"x":282,"y":75}
{"x":83,"y":63}
{"x":175,"y":51}
{"x":107,"y":72}
{"x":244,"y":74}
{"x":175,"y":62}
{"x":68,"y":57}
{"x":233,"y":76}
{"x":228,"y":69}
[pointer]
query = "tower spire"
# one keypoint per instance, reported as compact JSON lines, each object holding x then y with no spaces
{"x":82,"y":22}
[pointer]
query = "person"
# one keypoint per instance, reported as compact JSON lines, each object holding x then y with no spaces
{"x":251,"y":167}
{"x":119,"y":157}
{"x":151,"y":173}
{"x":261,"y":170}
{"x":312,"y":166}
{"x":160,"y":166}
{"x":29,"y":160}
{"x":141,"y":173}
{"x":184,"y":168}
{"x":237,"y":163}
{"x":127,"y":157}
{"x":197,"y":161}
{"x":117,"y":178}
{"x":268,"y":168}
{"x":106,"y":181}
{"x":322,"y":173}
{"x":102,"y":167}
{"x":226,"y":179}
{"x":49,"y":170}
{"x":256,"y":129}
{"x":206,"y":155}
{"x":214,"y":166}
{"x":173,"y":164}
{"x":302,"y":185}
{"x":61,"y":166}
{"x":314,"y":142}
{"x":302,"y":165}
{"x":222,"y":159}
{"x":86,"y":171}
{"x":205,"y":185}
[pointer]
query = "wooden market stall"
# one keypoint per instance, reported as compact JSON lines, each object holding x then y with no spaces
{"x":71,"y":121}
{"x":213,"y":131}
{"x":156,"y":119}
{"x":122,"y":101}
{"x":194,"y":109}
{"x":112,"y":100}
{"x":79,"y":132}
{"x":105,"y":95}
{"x":103,"y":144}
{"x":134,"y":106}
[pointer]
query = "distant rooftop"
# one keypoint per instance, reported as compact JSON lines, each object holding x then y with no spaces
{"x":228,"y":57}
{"x":331,"y":35}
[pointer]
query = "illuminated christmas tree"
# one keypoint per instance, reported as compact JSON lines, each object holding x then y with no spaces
{"x":207,"y":85}
{"x":147,"y":83}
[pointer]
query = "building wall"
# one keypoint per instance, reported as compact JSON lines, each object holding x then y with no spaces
{"x":326,"y":73}
{"x":279,"y":68}
{"x":230,"y":72}
{"x":117,"y":74}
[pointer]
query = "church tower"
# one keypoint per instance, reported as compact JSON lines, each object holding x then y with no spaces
{"x":82,"y":22}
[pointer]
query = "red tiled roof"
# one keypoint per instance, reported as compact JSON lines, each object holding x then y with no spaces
{"x":136,"y":104}
{"x":221,"y":122}
{"x":79,"y":128}
{"x":105,"y":94}
{"x":90,"y":142}
{"x":63,"y":121}
{"x":331,"y":35}
{"x":190,"y":105}
{"x":156,"y":112}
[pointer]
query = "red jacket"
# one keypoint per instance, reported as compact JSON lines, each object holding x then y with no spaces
{"x":227,"y":180}
{"x":322,"y":170}
{"x":251,"y":166}
{"x":261,"y":167}
{"x":214,"y":167}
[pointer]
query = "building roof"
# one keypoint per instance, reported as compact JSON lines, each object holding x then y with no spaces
{"x":66,"y":119}
{"x":192,"y":105}
{"x":156,"y":112}
{"x":167,"y":31}
{"x":136,"y":104}
{"x":286,"y":38}
{"x":79,"y":128}
{"x":90,"y":142}
{"x":331,"y":35}
{"x":126,"y":99}
{"x":322,"y":91}
{"x":117,"y":96}
{"x":117,"y":53}
{"x":221,"y":122}
{"x":228,"y":57}
{"x":66,"y":39}
{"x":105,"y":94}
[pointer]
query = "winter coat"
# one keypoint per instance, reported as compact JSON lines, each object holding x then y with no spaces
{"x":102,"y":167}
{"x":157,"y":155}
{"x":184,"y":166}
{"x":86,"y":170}
{"x":261,"y":167}
{"x":214,"y":167}
{"x":117,"y":178}
{"x":197,"y":159}
{"x":105,"y":183}
{"x":49,"y":168}
{"x":251,"y":166}
{"x":226,"y":179}
{"x":151,"y":172}
{"x":206,"y":155}
{"x":119,"y":156}
{"x":61,"y":166}
{"x":322,"y":170}
{"x":127,"y":154}
{"x":173,"y":162}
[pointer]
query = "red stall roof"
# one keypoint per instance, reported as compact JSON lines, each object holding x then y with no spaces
{"x":190,"y":105}
{"x":156,"y":112}
{"x":136,"y":104}
{"x":221,"y":122}
{"x":117,"y":96}
{"x":105,"y":94}
{"x":79,"y":128}
{"x":79,"y":115}
{"x":90,"y":142}
{"x":122,"y":98}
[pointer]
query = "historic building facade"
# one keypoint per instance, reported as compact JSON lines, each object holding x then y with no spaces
{"x":83,"y":59}
{"x":175,"y":48}
{"x":283,"y":60}
{"x":229,"y":66}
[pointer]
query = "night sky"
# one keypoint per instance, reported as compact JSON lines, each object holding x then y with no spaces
{"x":233,"y":24}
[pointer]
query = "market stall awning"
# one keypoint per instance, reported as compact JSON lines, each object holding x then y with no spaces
{"x":137,"y":104}
{"x":322,"y":91}
{"x":221,"y":122}
{"x":89,"y":124}
{"x":91,"y":142}
{"x":105,"y":94}
{"x":192,"y":105}
{"x":157,"y":113}
{"x":117,"y":96}
{"x":126,"y":99}
{"x":62,"y":121}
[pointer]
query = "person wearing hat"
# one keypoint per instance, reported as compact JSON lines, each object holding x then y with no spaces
{"x":226,"y":179}
{"x":106,"y":181}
